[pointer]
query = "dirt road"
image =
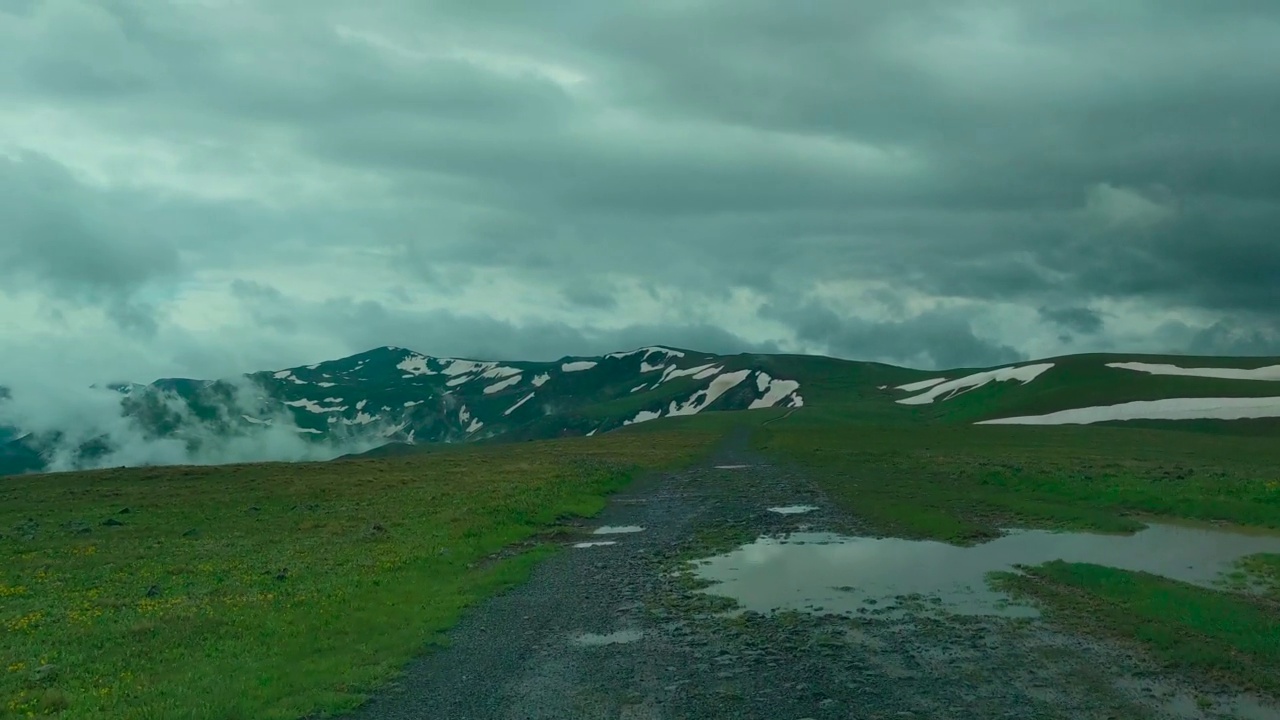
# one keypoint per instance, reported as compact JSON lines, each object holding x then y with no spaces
{"x":612,"y":631}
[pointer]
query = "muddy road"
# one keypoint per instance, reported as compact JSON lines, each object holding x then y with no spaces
{"x":613,"y":629}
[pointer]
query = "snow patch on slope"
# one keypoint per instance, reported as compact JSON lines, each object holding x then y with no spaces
{"x":774,"y":390}
{"x":416,"y":365}
{"x":501,"y":384}
{"x":315,"y":407}
{"x":578,"y":366}
{"x":1166,"y":409}
{"x":643,"y":416}
{"x":951,"y":388}
{"x":519,"y":402}
{"x":920,"y":385}
{"x":675,"y":372}
{"x":500,"y":372}
{"x":540,"y":379}
{"x":647,"y":352}
{"x":703,"y":398}
{"x":1270,"y":372}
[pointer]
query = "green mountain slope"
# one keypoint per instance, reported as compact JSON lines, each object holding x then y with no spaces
{"x":392,"y":400}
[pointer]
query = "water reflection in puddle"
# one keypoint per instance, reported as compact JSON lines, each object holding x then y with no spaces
{"x":824,"y":572}
{"x":614,"y":638}
{"x":616,"y":529}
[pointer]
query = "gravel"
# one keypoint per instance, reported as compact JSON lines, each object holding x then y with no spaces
{"x":619,"y":632}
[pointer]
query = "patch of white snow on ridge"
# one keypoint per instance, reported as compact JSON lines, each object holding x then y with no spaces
{"x":1270,"y":372}
{"x":578,"y":366}
{"x":326,"y":384}
{"x":475,"y":425}
{"x":647,"y":352}
{"x":920,"y":385}
{"x":796,"y":401}
{"x":639,"y":387}
{"x":282,"y":375}
{"x":703,"y":398}
{"x":454,"y":382}
{"x":255,"y":420}
{"x":315,"y":407}
{"x":464,"y":414}
{"x":361,"y":418}
{"x":951,"y":388}
{"x":501,"y":384}
{"x":643,"y":416}
{"x":774,"y":391}
{"x":675,"y":372}
{"x":309,"y":431}
{"x":1238,"y":408}
{"x":645,"y":367}
{"x":540,"y":379}
{"x":416,"y":365}
{"x":462,"y":367}
{"x":500,"y":372}
{"x":520,"y":402}
{"x":593,"y":432}
{"x":411,"y":403}
{"x":360,"y":405}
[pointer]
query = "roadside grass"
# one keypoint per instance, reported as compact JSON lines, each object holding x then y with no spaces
{"x":963,"y":483}
{"x":1231,"y":637}
{"x":273,"y":590}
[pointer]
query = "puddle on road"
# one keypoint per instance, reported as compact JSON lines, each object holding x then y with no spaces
{"x":616,"y":529}
{"x":596,"y":543}
{"x":793,"y":509}
{"x":619,"y":637}
{"x":825,"y":572}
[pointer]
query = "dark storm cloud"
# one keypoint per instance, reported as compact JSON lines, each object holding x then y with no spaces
{"x":931,"y":339}
{"x":363,"y":324}
{"x":1043,"y":154}
{"x":1077,"y":319}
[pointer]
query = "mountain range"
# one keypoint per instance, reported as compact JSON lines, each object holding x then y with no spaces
{"x":393,"y":399}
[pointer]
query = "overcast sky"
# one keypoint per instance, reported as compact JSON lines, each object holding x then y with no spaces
{"x":204,"y":187}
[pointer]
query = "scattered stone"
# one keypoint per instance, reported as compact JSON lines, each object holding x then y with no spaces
{"x":112,"y":522}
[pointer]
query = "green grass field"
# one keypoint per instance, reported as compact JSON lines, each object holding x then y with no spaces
{"x":275,"y":590}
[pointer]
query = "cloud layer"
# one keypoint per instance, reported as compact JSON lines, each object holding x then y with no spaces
{"x":204,"y":187}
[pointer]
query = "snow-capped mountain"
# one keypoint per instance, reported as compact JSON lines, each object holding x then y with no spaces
{"x":395,"y":395}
